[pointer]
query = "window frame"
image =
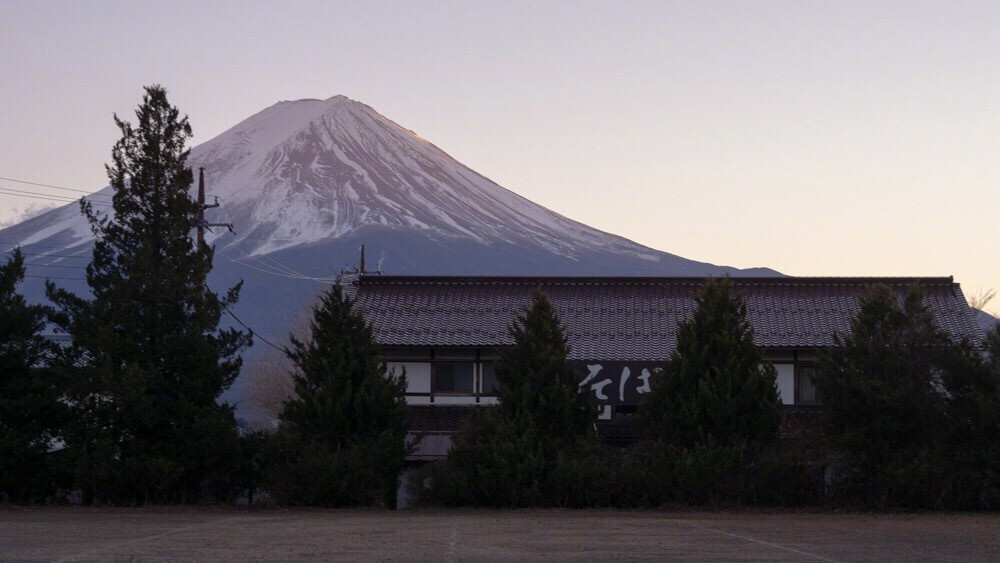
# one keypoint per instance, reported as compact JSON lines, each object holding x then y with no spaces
{"x":800,"y":367}
{"x":481,"y":371}
{"x":434,"y":367}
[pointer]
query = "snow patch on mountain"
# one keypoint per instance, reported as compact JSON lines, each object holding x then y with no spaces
{"x":305,"y":172}
{"x":309,"y":170}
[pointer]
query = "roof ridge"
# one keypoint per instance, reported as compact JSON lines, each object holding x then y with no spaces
{"x":653,"y":280}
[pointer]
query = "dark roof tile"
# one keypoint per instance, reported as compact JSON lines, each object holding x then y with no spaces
{"x":437,"y":418}
{"x":629,"y":318}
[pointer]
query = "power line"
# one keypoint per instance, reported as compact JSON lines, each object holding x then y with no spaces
{"x":67,"y":198}
{"x":49,"y":197}
{"x":54,"y":278}
{"x":267,"y":269}
{"x":47,"y":185}
{"x":55,"y":266}
{"x":30,"y":244}
{"x":64,"y":199}
{"x":270,"y":269}
{"x":275,"y":270}
{"x":11,"y":251}
{"x":252,"y":332}
{"x":38,"y":197}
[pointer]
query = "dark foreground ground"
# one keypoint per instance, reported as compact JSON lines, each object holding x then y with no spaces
{"x":527,"y":535}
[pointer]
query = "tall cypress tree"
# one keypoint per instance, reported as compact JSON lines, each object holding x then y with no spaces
{"x":715,"y":388}
{"x":972,"y":407}
{"x":150,"y":359}
{"x":713,"y":408}
{"x":537,"y":383}
{"x":885,"y":400}
{"x":520,"y":452}
{"x":30,"y":411}
{"x":342,"y":438}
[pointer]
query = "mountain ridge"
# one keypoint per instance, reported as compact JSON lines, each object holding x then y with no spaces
{"x":307,"y":182}
{"x":303,"y":171}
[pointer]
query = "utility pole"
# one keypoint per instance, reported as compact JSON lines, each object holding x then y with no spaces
{"x":362,"y":259}
{"x":202,"y":206}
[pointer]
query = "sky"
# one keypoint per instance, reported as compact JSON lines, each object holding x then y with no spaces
{"x":815,"y":138}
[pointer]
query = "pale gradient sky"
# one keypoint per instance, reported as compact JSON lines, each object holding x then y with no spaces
{"x":816,"y":138}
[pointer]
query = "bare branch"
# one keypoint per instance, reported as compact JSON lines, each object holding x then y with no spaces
{"x":982,"y":298}
{"x":269,"y":375}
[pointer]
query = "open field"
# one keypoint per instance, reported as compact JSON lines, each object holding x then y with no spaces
{"x":150,"y":534}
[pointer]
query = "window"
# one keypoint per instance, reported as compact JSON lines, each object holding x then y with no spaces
{"x":490,"y":384}
{"x":805,"y":390}
{"x":452,"y":377}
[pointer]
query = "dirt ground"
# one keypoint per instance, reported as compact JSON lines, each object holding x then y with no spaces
{"x":465,"y":535}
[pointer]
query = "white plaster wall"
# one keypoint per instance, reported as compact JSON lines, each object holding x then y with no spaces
{"x":418,"y":400}
{"x":457,"y":400}
{"x":418,"y":375}
{"x":786,"y":383}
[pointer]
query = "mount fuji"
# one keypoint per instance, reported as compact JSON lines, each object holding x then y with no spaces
{"x":306,"y":182}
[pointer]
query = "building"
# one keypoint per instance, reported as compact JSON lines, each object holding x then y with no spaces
{"x":446,"y":333}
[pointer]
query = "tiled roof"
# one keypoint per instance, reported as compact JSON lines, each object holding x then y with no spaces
{"x":437,"y":418}
{"x":632,"y":319}
{"x":431,"y":428}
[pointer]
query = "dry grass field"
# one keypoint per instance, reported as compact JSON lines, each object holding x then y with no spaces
{"x":467,"y":535}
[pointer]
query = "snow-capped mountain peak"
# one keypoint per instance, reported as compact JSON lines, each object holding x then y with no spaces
{"x":306,"y":183}
{"x":303,"y":171}
{"x":320,"y":172}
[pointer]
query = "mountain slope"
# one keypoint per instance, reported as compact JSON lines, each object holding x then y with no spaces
{"x":987,"y":321}
{"x":306,"y":182}
{"x":348,"y":167}
{"x":308,"y":171}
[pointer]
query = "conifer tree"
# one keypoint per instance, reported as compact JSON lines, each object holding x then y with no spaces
{"x":342,"y":438}
{"x":537,"y":383}
{"x":713,"y":408}
{"x":972,"y":408}
{"x":715,"y":388}
{"x":515,"y":454}
{"x":149,"y":357}
{"x":30,"y":412}
{"x":984,"y":413}
{"x":886,"y":403}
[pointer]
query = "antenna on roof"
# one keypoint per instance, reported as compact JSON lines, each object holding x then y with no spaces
{"x":350,"y":273}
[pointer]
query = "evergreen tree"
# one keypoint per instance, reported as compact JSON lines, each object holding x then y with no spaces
{"x":520,"y":452}
{"x":30,"y":411}
{"x":885,"y":401}
{"x":715,"y":388}
{"x":985,"y":417}
{"x":537,"y":383}
{"x":342,"y":438}
{"x":972,"y":407}
{"x":149,"y":359}
{"x":249,"y":473}
{"x":713,"y":407}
